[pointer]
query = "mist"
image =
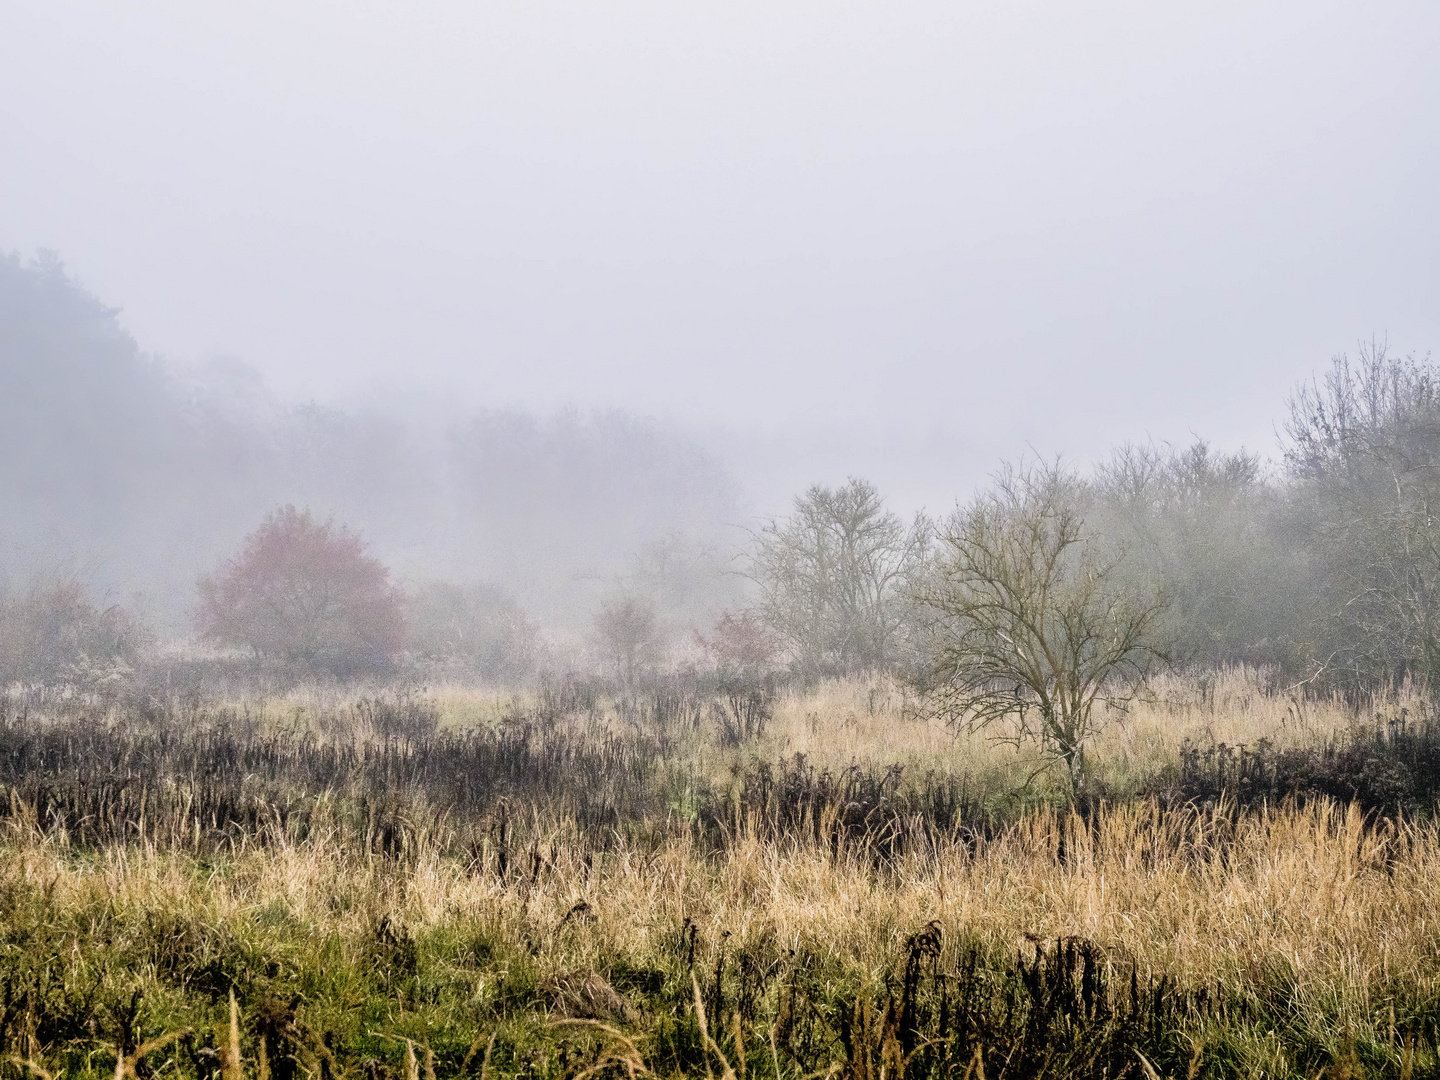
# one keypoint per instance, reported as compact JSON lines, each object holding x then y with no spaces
{"x":815,"y":228}
{"x":138,"y":477}
{"x":572,"y":306}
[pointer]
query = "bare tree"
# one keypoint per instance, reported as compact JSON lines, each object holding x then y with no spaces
{"x":1030,"y":621}
{"x":1364,"y":447}
{"x":834,"y":579}
{"x":628,"y":635}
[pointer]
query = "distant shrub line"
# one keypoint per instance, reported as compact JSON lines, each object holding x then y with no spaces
{"x":203,"y":777}
{"x":1390,"y":767}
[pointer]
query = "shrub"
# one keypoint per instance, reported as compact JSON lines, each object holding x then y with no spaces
{"x":476,"y":630}
{"x":305,"y":592}
{"x":54,"y":634}
{"x":628,"y":636}
{"x":741,"y":647}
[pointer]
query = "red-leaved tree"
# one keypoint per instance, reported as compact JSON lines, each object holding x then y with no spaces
{"x":741,"y":647}
{"x":305,"y":592}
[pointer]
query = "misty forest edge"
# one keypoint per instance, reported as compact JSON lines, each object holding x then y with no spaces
{"x":1120,"y":771}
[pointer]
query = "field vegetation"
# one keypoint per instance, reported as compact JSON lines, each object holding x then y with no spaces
{"x":563,"y":881}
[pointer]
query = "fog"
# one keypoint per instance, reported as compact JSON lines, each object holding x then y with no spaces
{"x":138,"y":476}
{"x":522,"y":291}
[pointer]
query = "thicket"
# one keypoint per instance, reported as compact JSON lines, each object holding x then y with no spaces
{"x":471,"y":632}
{"x":1390,"y":767}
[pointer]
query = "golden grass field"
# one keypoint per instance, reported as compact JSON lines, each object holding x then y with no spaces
{"x":1317,"y":923}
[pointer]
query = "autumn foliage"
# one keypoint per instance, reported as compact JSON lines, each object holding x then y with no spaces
{"x":305,"y":592}
{"x":740,"y":646}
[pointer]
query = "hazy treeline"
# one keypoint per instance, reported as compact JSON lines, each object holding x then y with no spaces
{"x":1323,"y":566}
{"x":135,"y":478}
{"x":491,"y":537}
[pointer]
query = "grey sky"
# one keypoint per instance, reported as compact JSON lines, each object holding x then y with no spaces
{"x":902,"y":240}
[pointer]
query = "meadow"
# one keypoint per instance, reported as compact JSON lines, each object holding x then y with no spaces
{"x":729,"y":882}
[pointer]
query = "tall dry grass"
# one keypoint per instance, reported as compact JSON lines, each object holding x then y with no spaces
{"x":1335,"y":917}
{"x":1293,"y":939}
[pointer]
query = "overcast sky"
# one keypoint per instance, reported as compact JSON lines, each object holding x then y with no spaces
{"x":902,"y":240}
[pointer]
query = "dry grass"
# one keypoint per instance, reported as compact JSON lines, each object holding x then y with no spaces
{"x":1340,"y":916}
{"x":1320,"y":921}
{"x":879,"y":722}
{"x":1199,"y":895}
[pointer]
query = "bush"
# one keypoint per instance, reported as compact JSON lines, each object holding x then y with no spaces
{"x":741,"y":647}
{"x":54,"y":634}
{"x":474,"y":630}
{"x":629,"y":639}
{"x":305,"y":592}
